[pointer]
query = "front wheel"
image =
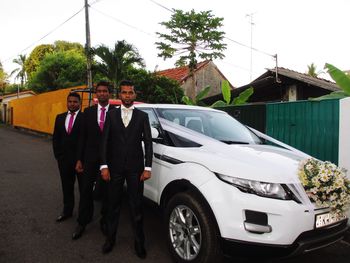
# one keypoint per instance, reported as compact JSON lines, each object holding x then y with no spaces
{"x":192,"y":235}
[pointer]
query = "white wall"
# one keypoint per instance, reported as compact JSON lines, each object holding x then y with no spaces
{"x":344,"y":134}
{"x":344,"y":137}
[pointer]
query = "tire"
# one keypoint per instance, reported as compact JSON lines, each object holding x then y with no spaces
{"x":191,"y":230}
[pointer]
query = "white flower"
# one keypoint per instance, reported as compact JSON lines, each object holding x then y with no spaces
{"x":325,"y":184}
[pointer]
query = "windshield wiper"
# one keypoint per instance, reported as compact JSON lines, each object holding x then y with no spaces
{"x":233,"y":142}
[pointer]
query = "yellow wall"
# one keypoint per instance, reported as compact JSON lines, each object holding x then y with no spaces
{"x":38,"y":112}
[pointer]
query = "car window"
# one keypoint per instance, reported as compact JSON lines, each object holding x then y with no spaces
{"x":215,"y":124}
{"x":153,"y":121}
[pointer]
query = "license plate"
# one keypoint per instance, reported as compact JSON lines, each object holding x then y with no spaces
{"x":327,"y":219}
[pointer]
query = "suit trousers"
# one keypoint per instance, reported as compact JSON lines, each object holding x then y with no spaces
{"x":86,"y":204}
{"x":135,"y":197}
{"x":68,"y":174}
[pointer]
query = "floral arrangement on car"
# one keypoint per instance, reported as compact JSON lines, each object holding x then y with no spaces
{"x":325,"y":184}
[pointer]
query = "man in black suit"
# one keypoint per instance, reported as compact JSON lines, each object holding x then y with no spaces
{"x":122,"y":159}
{"x":88,"y":156}
{"x":64,"y":142}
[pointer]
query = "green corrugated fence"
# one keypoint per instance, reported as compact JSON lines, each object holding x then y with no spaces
{"x":310,"y":126}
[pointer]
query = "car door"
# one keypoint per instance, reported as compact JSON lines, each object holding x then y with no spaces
{"x":151,"y":188}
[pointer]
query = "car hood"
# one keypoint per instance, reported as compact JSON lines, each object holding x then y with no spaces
{"x":263,"y":163}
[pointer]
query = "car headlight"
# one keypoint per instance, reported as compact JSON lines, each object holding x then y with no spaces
{"x":271,"y":190}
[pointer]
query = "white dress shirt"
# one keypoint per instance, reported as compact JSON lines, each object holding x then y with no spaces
{"x":66,"y":123}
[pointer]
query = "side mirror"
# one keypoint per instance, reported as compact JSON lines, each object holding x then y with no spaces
{"x":155,"y":135}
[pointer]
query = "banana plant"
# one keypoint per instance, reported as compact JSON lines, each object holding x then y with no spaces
{"x":197,"y":101}
{"x":341,"y":79}
{"x":241,"y":99}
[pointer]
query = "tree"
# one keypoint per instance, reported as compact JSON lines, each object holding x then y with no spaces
{"x":35,"y":58}
{"x":39,"y":53}
{"x":192,"y":36}
{"x":21,"y":71}
{"x":115,"y":63}
{"x":311,"y":71}
{"x":3,"y":79}
{"x":13,"y":88}
{"x":155,"y":89}
{"x":61,"y":45}
{"x":58,"y":70}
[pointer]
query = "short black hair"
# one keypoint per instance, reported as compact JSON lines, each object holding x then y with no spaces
{"x":74,"y":94}
{"x":126,"y":82}
{"x":104,"y":83}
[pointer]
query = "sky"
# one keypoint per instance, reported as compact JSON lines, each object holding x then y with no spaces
{"x":300,"y":32}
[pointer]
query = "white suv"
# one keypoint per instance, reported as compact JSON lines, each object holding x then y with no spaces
{"x":225,"y":190}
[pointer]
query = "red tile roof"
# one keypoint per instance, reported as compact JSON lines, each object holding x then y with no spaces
{"x":181,"y":73}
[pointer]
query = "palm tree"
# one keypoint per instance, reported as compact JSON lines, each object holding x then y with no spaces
{"x":21,"y":71}
{"x":311,"y":71}
{"x":116,"y":62}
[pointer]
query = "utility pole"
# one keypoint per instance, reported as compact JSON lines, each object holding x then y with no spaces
{"x":251,"y":44}
{"x":276,"y":61}
{"x":88,"y":51}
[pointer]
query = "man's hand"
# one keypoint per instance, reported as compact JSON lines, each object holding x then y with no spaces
{"x":105,"y":174}
{"x":145,"y":175}
{"x":79,"y":167}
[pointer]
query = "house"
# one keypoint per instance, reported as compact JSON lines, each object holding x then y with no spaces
{"x":5,"y":113}
{"x":282,"y":84}
{"x":206,"y":74}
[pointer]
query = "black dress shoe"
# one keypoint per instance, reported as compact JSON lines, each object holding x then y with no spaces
{"x":108,"y":246}
{"x":63,"y":217}
{"x":140,"y":250}
{"x":79,"y":230}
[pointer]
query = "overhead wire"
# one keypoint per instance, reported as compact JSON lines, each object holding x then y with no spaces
{"x":122,"y":22}
{"x":53,"y":30}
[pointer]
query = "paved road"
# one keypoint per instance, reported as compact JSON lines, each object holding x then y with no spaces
{"x":30,"y":199}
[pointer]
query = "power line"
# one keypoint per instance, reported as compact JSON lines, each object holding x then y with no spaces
{"x":124,"y":23}
{"x":162,"y":6}
{"x":53,"y":30}
{"x":255,"y":49}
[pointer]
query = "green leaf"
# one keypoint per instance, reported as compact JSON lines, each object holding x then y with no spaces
{"x":203,"y":93}
{"x":218,"y":103}
{"x":340,"y":77}
{"x":243,"y":97}
{"x":187,"y":100}
{"x":333,"y":95}
{"x":226,"y":91}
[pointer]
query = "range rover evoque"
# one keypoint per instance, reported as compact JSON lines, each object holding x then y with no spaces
{"x":223,"y":189}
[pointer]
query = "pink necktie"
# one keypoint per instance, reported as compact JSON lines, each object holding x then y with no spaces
{"x":102,"y":118}
{"x":70,"y":123}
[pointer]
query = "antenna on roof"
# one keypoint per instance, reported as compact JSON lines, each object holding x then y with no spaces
{"x":251,"y":43}
{"x":276,"y":71}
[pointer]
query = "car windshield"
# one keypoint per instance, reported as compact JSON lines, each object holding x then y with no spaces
{"x":215,"y":124}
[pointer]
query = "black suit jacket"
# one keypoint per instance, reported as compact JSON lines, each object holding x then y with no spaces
{"x":121,"y":148}
{"x":90,"y":136}
{"x":65,"y":145}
